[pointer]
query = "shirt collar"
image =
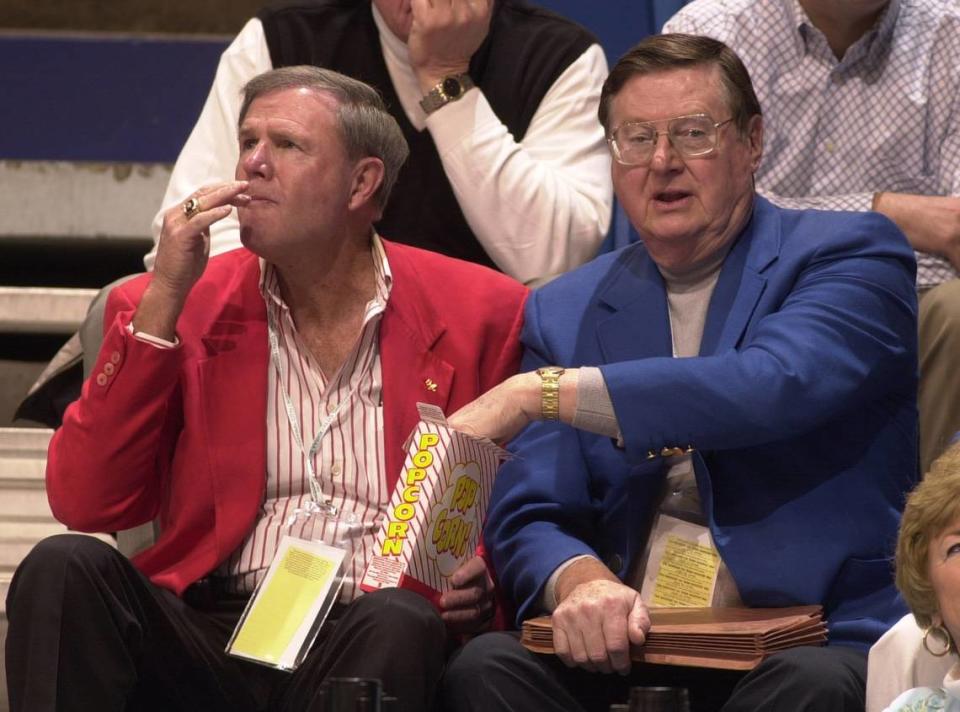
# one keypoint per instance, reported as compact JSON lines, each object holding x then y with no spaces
{"x":873,"y":43}
{"x":270,"y":282}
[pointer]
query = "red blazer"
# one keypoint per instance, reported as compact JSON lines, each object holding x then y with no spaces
{"x":179,"y":434}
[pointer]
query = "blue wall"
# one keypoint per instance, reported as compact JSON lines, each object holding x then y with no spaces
{"x":101,"y":98}
{"x":115,"y":98}
{"x":619,"y":24}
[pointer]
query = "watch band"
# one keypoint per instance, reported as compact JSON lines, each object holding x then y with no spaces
{"x":450,"y":88}
{"x":550,"y":391}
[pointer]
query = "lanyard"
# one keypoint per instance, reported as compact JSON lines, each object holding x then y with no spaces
{"x":316,"y":493}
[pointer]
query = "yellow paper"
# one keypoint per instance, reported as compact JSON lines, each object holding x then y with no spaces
{"x":686,"y":575}
{"x":283,"y":603}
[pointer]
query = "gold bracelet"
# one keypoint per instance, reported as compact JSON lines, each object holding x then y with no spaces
{"x":550,"y":391}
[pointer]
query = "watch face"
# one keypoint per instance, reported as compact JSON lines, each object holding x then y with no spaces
{"x":451,"y":87}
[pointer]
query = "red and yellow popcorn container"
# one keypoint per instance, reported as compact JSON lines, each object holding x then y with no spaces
{"x":437,"y":509}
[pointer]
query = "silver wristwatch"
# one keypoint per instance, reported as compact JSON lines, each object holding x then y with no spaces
{"x":450,"y":88}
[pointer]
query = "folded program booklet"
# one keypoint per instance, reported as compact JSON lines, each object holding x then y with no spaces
{"x":437,"y":509}
{"x":723,"y":638}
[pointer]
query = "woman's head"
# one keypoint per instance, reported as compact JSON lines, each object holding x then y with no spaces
{"x":928,"y":549}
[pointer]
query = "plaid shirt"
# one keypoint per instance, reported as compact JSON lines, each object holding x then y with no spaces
{"x":884,"y":118}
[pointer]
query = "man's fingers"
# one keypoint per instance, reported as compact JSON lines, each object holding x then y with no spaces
{"x":195,"y":228}
{"x":561,"y":645}
{"x":595,"y":643}
{"x":213,"y":196}
{"x":474,"y":570}
{"x":202,"y":221}
{"x":617,"y":644}
{"x":638,"y":623}
{"x":470,"y":616}
{"x":207,"y":198}
{"x":478,"y":9}
{"x":420,"y":8}
{"x":462,"y":598}
{"x":574,"y":627}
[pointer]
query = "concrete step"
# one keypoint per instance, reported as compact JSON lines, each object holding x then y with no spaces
{"x":24,"y":502}
{"x":43,"y":310}
{"x":88,"y":200}
{"x":23,"y":456}
{"x":29,"y":530}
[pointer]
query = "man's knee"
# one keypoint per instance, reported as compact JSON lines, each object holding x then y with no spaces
{"x":495,"y":672}
{"x":808,"y":678}
{"x":57,"y":555}
{"x":401,"y":615}
{"x":940,"y":309}
{"x":485,"y":653}
{"x":481,"y":662}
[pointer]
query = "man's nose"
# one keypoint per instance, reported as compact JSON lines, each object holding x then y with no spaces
{"x":665,"y":156}
{"x":256,"y":163}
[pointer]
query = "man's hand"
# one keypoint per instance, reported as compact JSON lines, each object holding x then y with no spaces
{"x":504,"y":410}
{"x":182,"y":254}
{"x":444,"y":36}
{"x":597,"y":620}
{"x":930,"y":222}
{"x":469,"y":607}
{"x":501,"y":412}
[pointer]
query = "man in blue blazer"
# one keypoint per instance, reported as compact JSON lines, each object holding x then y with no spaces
{"x":745,"y":369}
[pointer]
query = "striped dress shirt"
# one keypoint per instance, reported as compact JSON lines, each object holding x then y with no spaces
{"x":349,"y":458}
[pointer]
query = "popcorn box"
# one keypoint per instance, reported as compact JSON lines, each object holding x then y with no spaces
{"x":437,"y":509}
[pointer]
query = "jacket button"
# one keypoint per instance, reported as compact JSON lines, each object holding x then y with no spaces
{"x":115,"y":357}
{"x":109,"y":368}
{"x":101,"y":379}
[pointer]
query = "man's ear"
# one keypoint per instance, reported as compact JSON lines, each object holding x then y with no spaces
{"x":755,"y":140}
{"x":367,"y":178}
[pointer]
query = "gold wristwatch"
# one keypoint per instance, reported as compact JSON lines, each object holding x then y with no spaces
{"x":450,"y":88}
{"x":550,"y":391}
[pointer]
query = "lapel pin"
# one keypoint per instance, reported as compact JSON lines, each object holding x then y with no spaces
{"x":431,"y":386}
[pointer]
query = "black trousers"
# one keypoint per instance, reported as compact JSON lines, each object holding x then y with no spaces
{"x":88,"y":632}
{"x":494,"y":673}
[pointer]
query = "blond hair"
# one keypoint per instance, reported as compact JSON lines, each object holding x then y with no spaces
{"x":932,"y":506}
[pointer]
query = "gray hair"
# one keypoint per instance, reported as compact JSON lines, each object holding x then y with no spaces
{"x":660,"y":53}
{"x":366,"y":127}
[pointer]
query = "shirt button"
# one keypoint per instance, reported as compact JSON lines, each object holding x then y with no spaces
{"x":109,"y":368}
{"x":332,"y":406}
{"x":614,"y":562}
{"x":830,"y":146}
{"x":336,"y":469}
{"x":101,"y":379}
{"x":115,"y":357}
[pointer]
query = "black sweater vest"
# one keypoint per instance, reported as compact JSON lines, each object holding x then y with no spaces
{"x":525,"y":52}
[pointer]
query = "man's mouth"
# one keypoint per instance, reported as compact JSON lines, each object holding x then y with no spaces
{"x":670,"y":197}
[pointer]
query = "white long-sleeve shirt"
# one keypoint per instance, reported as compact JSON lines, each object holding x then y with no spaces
{"x":539,"y":207}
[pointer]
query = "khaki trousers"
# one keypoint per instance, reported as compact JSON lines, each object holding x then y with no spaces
{"x":939,"y":396}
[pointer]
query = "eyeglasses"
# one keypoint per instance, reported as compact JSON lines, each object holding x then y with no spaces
{"x":634,"y":142}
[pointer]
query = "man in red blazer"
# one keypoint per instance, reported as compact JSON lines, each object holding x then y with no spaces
{"x":222,"y":388}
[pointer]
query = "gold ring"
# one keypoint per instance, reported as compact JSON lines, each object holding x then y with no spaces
{"x":191,"y":207}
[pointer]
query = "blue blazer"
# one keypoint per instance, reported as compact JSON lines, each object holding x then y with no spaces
{"x":801,"y":408}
